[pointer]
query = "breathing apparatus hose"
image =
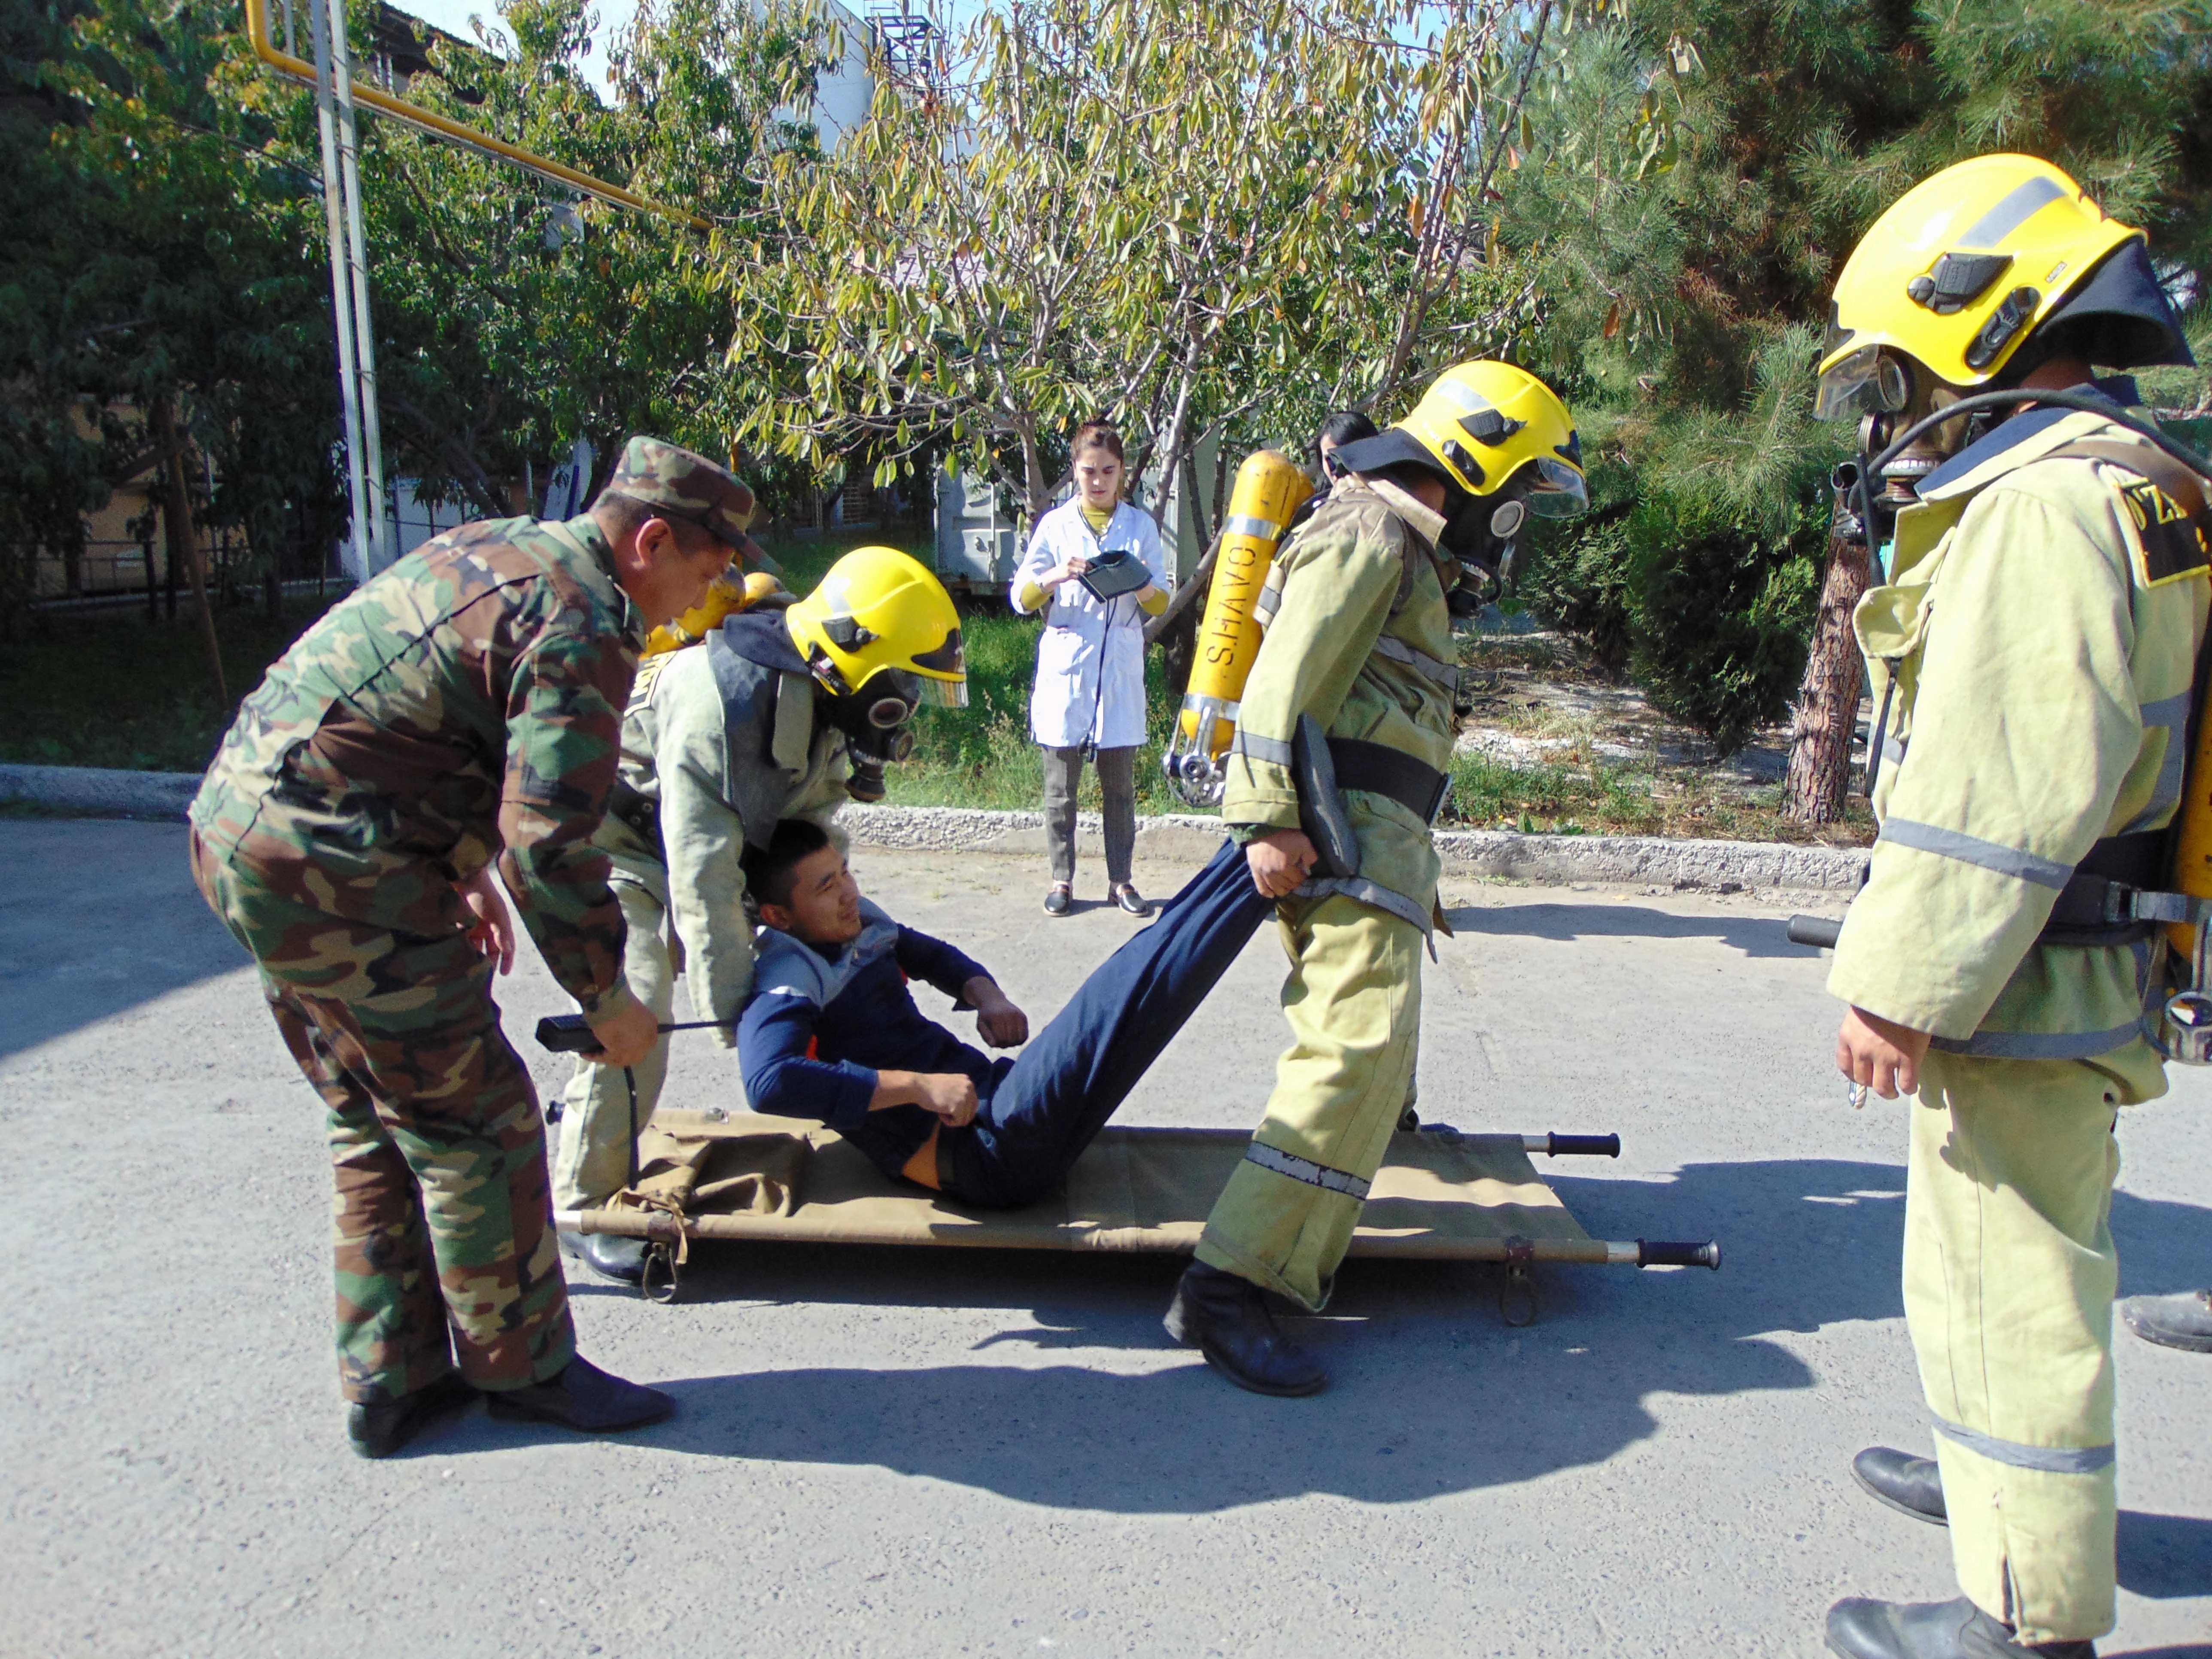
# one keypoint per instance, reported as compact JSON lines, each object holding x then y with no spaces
{"x":1870,"y":470}
{"x":2089,"y":402}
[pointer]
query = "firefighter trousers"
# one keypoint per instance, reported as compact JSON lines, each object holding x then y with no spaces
{"x":1353,"y":1002}
{"x":2009,"y":1275}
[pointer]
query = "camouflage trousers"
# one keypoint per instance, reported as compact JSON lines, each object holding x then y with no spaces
{"x":442,"y":1216}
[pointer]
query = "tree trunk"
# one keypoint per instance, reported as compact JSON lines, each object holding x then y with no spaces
{"x":177,"y":523}
{"x":1828,"y":701}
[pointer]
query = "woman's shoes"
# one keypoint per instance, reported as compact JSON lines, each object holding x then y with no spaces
{"x":1131,"y":901}
{"x":1058,"y":898}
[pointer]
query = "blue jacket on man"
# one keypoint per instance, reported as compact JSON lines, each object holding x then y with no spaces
{"x":823,"y":1020}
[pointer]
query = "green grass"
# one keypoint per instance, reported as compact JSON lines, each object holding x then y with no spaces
{"x":113,"y":689}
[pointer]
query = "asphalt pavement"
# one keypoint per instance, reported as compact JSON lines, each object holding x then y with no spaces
{"x":922,"y":1452}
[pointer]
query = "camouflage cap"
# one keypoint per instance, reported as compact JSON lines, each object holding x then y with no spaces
{"x":680,"y":484}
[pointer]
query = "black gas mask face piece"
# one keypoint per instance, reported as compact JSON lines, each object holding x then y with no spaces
{"x":1484,"y":535}
{"x":878,"y":721}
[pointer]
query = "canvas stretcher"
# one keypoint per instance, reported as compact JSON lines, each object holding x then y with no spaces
{"x":1441,"y":1195}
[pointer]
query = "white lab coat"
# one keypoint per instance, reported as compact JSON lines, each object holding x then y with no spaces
{"x":1090,"y":658}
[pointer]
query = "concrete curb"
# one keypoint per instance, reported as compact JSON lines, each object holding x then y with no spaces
{"x":1611,"y":860}
{"x":101,"y":791}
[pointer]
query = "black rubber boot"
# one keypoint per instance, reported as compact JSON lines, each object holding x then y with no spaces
{"x":1862,"y":1629}
{"x":380,"y":1430}
{"x":583,"y":1398}
{"x":611,"y":1255}
{"x":2182,"y":1322}
{"x":1909,"y":1485}
{"x":1225,"y":1317}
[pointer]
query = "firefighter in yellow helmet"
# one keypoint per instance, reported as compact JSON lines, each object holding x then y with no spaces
{"x":2033,"y":643}
{"x":787,"y":709}
{"x":1335,"y":775}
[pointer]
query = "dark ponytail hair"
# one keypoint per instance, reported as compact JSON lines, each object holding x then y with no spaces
{"x":1097,"y":435}
{"x":1347,"y":426}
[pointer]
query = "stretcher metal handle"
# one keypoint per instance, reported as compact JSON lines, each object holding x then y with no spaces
{"x":1659,"y":1253}
{"x":1820,"y":931}
{"x":571,"y":1034}
{"x":1573,"y":1145}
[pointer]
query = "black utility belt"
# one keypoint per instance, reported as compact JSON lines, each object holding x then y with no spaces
{"x":2095,"y":905}
{"x":1378,"y":769}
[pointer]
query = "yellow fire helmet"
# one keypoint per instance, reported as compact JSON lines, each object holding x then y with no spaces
{"x":1481,"y":426}
{"x":1967,"y":266}
{"x":878,"y":609}
{"x":734,"y":590}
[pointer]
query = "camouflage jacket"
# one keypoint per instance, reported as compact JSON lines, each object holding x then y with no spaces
{"x":464,"y":704}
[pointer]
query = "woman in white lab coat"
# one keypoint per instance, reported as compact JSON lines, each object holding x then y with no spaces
{"x":1090,"y":692}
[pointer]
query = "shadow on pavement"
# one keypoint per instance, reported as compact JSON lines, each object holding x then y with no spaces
{"x":114,"y":921}
{"x":1432,"y":1394}
{"x":1755,"y":936}
{"x":2168,"y":1557}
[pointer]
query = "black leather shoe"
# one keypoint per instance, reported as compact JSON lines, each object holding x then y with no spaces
{"x":1909,"y":1485}
{"x":584,"y":1398}
{"x":2182,"y":1322}
{"x":1132,"y":902}
{"x":1225,"y":1317}
{"x":382,"y":1429}
{"x":1057,"y":900}
{"x":1862,"y":1629}
{"x":610,"y":1255}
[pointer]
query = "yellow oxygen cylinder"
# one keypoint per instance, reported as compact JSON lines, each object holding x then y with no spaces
{"x":2192,"y":838}
{"x":1269,"y":489}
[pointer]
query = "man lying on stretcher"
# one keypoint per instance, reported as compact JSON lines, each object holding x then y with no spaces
{"x":832,"y":1033}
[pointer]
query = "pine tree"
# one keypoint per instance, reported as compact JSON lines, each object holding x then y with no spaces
{"x":1687,"y":267}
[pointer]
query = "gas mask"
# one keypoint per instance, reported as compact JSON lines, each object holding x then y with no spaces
{"x":1890,"y":392}
{"x":1484,"y":536}
{"x":877,"y":723}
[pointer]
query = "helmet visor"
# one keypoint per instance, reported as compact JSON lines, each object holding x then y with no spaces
{"x":948,"y":659}
{"x":1558,"y":490}
{"x":944,"y":693}
{"x":1870,"y":381}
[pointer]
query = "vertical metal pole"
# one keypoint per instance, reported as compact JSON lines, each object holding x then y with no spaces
{"x":357,"y":551}
{"x":291,"y":44}
{"x":364,"y":335}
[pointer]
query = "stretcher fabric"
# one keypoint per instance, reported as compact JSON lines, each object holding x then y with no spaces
{"x":1439,"y":1195}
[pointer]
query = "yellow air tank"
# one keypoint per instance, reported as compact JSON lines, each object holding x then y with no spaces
{"x":2192,"y":839}
{"x":1269,"y":489}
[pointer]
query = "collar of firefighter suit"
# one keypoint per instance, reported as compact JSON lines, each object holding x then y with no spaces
{"x":1423,"y":520}
{"x":2020,"y":440}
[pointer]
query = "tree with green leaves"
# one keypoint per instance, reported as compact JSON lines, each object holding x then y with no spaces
{"x":1684,"y":267}
{"x":1226,"y":218}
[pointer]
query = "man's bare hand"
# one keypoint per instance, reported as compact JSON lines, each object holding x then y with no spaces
{"x":1280,"y":862}
{"x":951,"y":1094}
{"x":998,"y":1021}
{"x":1881,"y":1054}
{"x":626,"y":1036}
{"x":492,"y":930}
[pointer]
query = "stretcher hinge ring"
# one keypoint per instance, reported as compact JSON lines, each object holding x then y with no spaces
{"x":1517,"y":1294}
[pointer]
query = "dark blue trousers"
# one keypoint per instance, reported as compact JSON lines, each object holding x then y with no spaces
{"x":1049,"y":1103}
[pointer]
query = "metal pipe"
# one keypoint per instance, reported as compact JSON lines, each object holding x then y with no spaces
{"x":454,"y":132}
{"x":378,"y":540}
{"x":342,"y":310}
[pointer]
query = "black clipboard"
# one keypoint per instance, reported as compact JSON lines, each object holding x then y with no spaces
{"x":1115,"y":573}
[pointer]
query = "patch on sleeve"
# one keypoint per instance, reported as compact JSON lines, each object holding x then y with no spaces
{"x":2170,"y":545}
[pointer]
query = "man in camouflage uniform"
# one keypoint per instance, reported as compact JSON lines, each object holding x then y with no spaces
{"x":1343,"y":734}
{"x":769,"y":716}
{"x":462,"y":706}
